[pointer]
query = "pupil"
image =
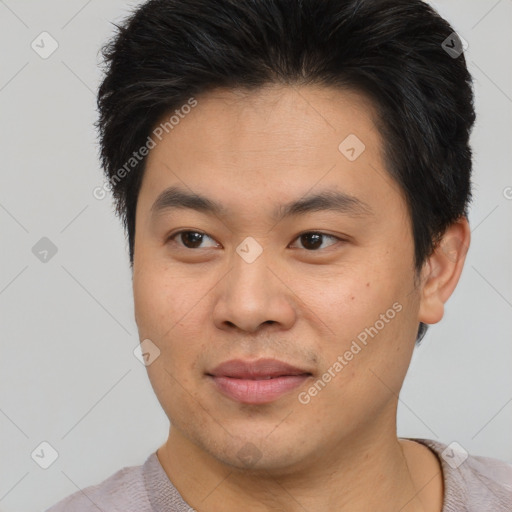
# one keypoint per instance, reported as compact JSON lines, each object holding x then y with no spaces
{"x":192,"y":237}
{"x":316,"y":237}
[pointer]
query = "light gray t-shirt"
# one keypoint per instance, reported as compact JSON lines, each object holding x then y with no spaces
{"x":478,"y":484}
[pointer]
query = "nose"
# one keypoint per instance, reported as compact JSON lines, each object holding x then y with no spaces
{"x":254,"y":294}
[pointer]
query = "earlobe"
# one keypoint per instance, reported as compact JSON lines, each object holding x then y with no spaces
{"x":442,"y":270}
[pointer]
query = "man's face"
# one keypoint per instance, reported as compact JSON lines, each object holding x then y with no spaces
{"x":331,"y":293}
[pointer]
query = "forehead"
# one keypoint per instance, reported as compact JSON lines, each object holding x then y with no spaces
{"x":276,"y":118}
{"x":277,"y":142}
{"x":270,"y":119}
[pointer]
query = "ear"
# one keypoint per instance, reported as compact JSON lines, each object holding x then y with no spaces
{"x":441,"y":272}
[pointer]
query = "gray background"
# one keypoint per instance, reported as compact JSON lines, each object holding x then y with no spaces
{"x":68,"y":373}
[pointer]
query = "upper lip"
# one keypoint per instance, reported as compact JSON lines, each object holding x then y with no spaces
{"x":241,"y":369}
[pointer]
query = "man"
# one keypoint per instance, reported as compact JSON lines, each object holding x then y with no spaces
{"x":294,"y":178}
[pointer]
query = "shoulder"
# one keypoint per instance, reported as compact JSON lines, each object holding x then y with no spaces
{"x":124,"y":491}
{"x":472,"y":483}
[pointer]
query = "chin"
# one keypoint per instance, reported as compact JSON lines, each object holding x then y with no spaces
{"x":257,"y":453}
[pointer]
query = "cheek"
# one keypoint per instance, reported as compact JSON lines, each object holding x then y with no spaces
{"x":169,"y":312}
{"x":370,"y":321}
{"x":163,"y":319}
{"x":162,"y":299}
{"x":346,"y":301}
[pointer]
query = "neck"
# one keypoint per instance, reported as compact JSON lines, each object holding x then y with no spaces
{"x":366,"y":473}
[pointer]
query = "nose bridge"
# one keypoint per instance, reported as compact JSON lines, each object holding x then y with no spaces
{"x":250,"y":275}
{"x":251,"y":294}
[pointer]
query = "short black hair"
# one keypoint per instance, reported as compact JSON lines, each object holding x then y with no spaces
{"x":396,"y":52}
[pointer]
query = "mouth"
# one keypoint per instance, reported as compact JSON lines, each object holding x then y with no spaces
{"x":257,"y":382}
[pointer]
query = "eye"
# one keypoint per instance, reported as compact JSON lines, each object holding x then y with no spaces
{"x":191,"y":239}
{"x":312,"y":240}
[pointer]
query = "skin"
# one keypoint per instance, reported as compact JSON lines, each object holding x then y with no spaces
{"x":205,"y":305}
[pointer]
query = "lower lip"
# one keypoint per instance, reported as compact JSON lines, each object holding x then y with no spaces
{"x":250,"y":391}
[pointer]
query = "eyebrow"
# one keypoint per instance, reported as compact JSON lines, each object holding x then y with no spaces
{"x":327,"y":200}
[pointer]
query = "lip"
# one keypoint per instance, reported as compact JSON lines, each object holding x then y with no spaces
{"x":257,"y":382}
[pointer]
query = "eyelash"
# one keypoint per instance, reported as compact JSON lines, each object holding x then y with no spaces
{"x":172,"y":237}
